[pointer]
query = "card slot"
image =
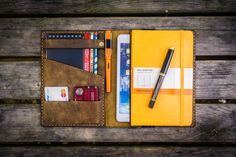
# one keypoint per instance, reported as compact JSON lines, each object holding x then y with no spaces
{"x":101,"y":62}
{"x":53,"y":66}
{"x":73,"y":43}
{"x":75,"y":113}
{"x":59,"y":74}
{"x":75,"y":58}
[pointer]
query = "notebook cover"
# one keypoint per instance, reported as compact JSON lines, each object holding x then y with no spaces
{"x":175,"y":103}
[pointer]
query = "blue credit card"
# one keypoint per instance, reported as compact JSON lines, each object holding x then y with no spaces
{"x":124,"y":106}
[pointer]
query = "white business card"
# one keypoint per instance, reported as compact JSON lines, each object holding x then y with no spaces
{"x":56,"y":94}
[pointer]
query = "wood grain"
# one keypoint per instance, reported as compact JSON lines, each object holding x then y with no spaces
{"x":91,"y":7}
{"x":20,"y":80}
{"x":21,"y":123}
{"x":214,"y":35}
{"x":214,"y":80}
{"x":124,"y":151}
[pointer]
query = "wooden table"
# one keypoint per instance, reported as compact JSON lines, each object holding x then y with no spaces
{"x":214,"y":23}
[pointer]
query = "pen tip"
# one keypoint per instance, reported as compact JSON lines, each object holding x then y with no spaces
{"x":172,"y":48}
{"x":151,"y":104}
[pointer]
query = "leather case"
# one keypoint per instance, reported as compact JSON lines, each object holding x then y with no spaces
{"x":55,"y":73}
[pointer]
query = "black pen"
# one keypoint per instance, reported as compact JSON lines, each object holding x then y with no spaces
{"x":162,"y":75}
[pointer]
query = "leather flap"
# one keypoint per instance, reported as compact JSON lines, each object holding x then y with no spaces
{"x":73,"y":43}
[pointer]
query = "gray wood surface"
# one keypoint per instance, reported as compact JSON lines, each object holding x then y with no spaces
{"x":123,"y":7}
{"x":20,"y":80}
{"x":215,"y":123}
{"x":214,"y":80}
{"x":123,"y":151}
{"x":214,"y":35}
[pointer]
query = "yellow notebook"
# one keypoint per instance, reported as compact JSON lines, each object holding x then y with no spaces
{"x":175,"y":102}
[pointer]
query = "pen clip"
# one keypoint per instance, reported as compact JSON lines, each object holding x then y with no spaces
{"x":108,"y":54}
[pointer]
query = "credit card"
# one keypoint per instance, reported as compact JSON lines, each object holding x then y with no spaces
{"x":86,"y":60}
{"x":56,"y":93}
{"x":86,"y":93}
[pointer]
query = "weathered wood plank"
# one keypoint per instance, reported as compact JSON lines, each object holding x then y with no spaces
{"x":143,"y":7}
{"x":20,"y":80}
{"x":214,"y":80}
{"x":215,"y":123}
{"x":214,"y":35}
{"x":124,"y":151}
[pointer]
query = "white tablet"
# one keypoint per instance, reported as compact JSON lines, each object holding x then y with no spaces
{"x":123,"y":78}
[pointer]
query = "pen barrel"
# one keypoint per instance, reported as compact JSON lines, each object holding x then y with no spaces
{"x":108,"y":75}
{"x":108,"y":43}
{"x":156,"y":90}
{"x":161,"y":77}
{"x":158,"y":86}
{"x":167,"y":61}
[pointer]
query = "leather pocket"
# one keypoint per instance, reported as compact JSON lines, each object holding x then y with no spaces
{"x":71,"y":113}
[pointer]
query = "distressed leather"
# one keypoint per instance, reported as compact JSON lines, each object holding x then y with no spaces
{"x":77,"y":113}
{"x":72,"y":113}
{"x":73,"y":43}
